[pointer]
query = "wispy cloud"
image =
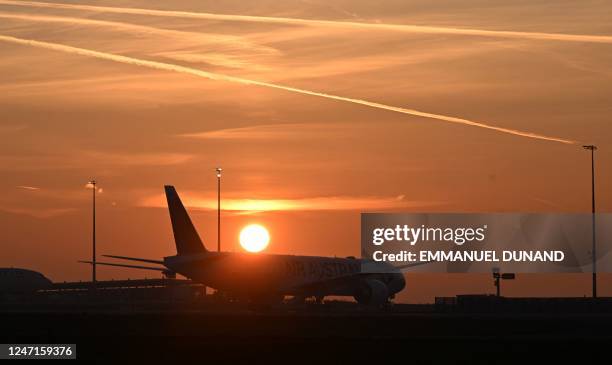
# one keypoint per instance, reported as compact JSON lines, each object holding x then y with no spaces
{"x":138,"y":159}
{"x":86,"y":159}
{"x":216,"y":59}
{"x":585,"y":38}
{"x":228,"y":42}
{"x":222,"y":77}
{"x":366,"y":203}
{"x":25,"y":187}
{"x":268,"y":131}
{"x":547,"y":203}
{"x":38,"y":212}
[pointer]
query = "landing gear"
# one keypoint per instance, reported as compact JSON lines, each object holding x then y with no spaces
{"x":374,"y":293}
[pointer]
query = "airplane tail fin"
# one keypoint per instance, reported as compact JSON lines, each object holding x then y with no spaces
{"x":186,"y":237}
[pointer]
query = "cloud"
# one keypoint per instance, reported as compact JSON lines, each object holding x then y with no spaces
{"x":87,"y":159}
{"x":222,"y":77}
{"x":585,"y":38}
{"x":229,"y":42}
{"x":25,"y":187}
{"x":137,"y":159}
{"x":268,"y":132}
{"x":215,"y":59}
{"x":39,"y":212}
{"x":367,"y":203}
{"x":547,"y":203}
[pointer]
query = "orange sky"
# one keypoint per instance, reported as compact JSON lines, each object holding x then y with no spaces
{"x":128,"y":97}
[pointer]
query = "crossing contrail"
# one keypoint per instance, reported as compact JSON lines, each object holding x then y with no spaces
{"x":228,"y":40}
{"x":102,"y":23}
{"x":586,"y":38}
{"x":222,"y":77}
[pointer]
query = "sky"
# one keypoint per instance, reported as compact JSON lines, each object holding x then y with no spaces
{"x":316,"y":110}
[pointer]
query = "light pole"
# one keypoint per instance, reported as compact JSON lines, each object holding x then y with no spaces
{"x":93,"y":233}
{"x":218,"y":170}
{"x":592,"y":148}
{"x":497,"y":276}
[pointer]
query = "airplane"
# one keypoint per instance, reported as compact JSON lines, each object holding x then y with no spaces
{"x":268,"y":278}
{"x":22,"y":281}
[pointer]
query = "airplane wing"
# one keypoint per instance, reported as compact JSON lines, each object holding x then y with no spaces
{"x":135,"y":259}
{"x":130,"y":266}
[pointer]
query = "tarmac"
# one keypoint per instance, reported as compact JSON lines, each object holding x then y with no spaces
{"x":177,"y":323}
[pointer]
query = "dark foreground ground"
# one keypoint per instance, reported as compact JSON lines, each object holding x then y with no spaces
{"x":305,"y":336}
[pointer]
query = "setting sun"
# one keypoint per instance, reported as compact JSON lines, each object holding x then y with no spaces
{"x":254,"y":238}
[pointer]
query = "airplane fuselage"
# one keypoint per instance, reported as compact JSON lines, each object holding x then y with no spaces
{"x":255,"y":274}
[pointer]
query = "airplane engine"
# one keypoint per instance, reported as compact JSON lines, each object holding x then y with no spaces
{"x":373,"y":293}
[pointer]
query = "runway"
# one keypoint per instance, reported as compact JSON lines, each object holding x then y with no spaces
{"x":320,"y":338}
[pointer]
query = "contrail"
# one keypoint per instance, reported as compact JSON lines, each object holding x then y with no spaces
{"x":102,"y":23}
{"x":235,"y":41}
{"x":221,"y":77}
{"x":587,"y":38}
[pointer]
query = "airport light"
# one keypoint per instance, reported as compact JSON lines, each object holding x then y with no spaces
{"x":592,"y":148}
{"x":93,"y":233}
{"x":497,"y":276}
{"x":218,"y":170}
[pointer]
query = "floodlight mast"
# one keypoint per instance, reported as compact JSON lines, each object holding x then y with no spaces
{"x":593,"y":148}
{"x":218,"y":170}
{"x":498,"y":277}
{"x":93,"y":233}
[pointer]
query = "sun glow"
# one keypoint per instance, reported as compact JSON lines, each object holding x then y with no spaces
{"x":254,"y":238}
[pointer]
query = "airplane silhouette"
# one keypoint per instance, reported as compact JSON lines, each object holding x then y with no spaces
{"x":265,"y":277}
